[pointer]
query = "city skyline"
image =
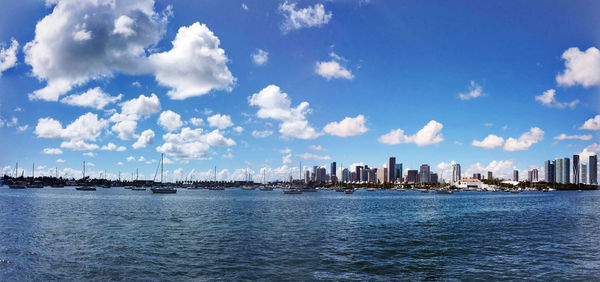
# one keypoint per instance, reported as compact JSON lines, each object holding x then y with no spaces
{"x":284,"y":82}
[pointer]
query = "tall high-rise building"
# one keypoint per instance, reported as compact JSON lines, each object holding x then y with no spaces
{"x":391,"y":165}
{"x":434,"y":178}
{"x":321,"y":175}
{"x":455,"y":173}
{"x":424,"y":174}
{"x":576,"y":169}
{"x":399,"y":171}
{"x":352,"y":177}
{"x":333,"y":169}
{"x":345,"y":175}
{"x":593,"y":169}
{"x":490,"y":175}
{"x":563,"y":172}
{"x":550,"y":171}
{"x":477,"y":175}
{"x":382,"y":175}
{"x":515,"y":175}
{"x":532,"y":175}
{"x":584,"y":173}
{"x":411,"y":176}
{"x":314,"y":173}
{"x":358,"y":170}
{"x":306,"y":176}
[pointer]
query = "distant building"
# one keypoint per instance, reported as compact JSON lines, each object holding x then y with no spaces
{"x":433,"y":178}
{"x":469,"y":183}
{"x":490,"y":176}
{"x":364,"y":174}
{"x":593,"y":169}
{"x":358,"y":170}
{"x":515,"y":175}
{"x":584,"y":173}
{"x":372,"y":175}
{"x":477,"y":176}
{"x":549,"y":170}
{"x":321,"y":175}
{"x":382,"y":175}
{"x":345,"y":175}
{"x":532,"y":175}
{"x":399,"y":171}
{"x":352,"y":176}
{"x":563,"y":170}
{"x":576,"y":169}
{"x":333,"y":169}
{"x":391,"y":165}
{"x":314,"y":173}
{"x":455,"y":173}
{"x":306,"y":176}
{"x":411,"y":176}
{"x":424,"y":174}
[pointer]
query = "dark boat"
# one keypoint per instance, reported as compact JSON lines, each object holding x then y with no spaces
{"x":57,"y":186}
{"x":84,"y":187}
{"x":17,"y":186}
{"x":138,"y":188}
{"x":163,"y":189}
{"x":292,"y":191}
{"x":36,"y":184}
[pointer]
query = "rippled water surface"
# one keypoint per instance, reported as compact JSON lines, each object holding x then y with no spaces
{"x":118,"y":234}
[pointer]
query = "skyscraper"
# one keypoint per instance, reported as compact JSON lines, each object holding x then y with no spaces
{"x":549,"y":171}
{"x":399,"y":171}
{"x":345,"y":175}
{"x":424,"y":174}
{"x":563,"y":170}
{"x":333,"y":169}
{"x":391,"y":165}
{"x":358,"y":171}
{"x":593,"y":169}
{"x":584,"y":173}
{"x":455,"y":173}
{"x":382,"y":175}
{"x":532,"y":175}
{"x":515,"y":175}
{"x":306,"y":176}
{"x":433,"y":178}
{"x":576,"y":169}
{"x":411,"y":176}
{"x":477,"y":176}
{"x":490,"y":175}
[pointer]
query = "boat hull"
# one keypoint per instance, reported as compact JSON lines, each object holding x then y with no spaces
{"x":163,"y":191}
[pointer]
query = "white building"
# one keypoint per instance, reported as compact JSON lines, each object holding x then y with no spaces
{"x":469,"y":183}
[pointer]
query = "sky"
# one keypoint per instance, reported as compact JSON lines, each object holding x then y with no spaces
{"x":260,"y":86}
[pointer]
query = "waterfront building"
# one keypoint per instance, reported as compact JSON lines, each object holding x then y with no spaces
{"x":382,"y":175}
{"x":333,"y":169}
{"x":516,"y":175}
{"x":352,"y":176}
{"x":306,"y":177}
{"x":434,"y":178}
{"x":391,"y":166}
{"x":477,"y":176}
{"x":411,"y":176}
{"x":532,"y":175}
{"x":358,"y":170}
{"x":469,"y":183}
{"x":550,"y":171}
{"x":424,"y":173}
{"x":364,"y":174}
{"x":593,"y":169}
{"x":455,"y":173}
{"x":345,"y":175}
{"x":490,"y":175}
{"x":321,"y":175}
{"x":399,"y":171}
{"x":563,"y":170}
{"x":576,"y":169}
{"x":584,"y":173}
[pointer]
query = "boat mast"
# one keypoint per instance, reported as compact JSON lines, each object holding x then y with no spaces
{"x":17,"y":170}
{"x":83,"y":169}
{"x":215,"y":174}
{"x":161,"y":168}
{"x":32,"y":171}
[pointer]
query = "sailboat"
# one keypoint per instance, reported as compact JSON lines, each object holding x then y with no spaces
{"x":17,"y":184}
{"x":33,"y":183}
{"x":264,"y":187}
{"x":163,"y":189}
{"x":292,"y":189}
{"x":106,"y":185}
{"x":135,"y":187}
{"x":56,"y":183}
{"x":216,"y":187}
{"x":85,"y":187}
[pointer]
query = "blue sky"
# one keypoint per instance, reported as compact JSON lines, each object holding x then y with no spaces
{"x":346,"y":81}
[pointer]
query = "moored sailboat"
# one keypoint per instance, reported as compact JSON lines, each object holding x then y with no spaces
{"x":163,"y":189}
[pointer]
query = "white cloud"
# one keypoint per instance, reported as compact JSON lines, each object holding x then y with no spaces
{"x":592,"y":149}
{"x":78,"y":145}
{"x":260,"y":57}
{"x":131,"y":159}
{"x":316,"y":148}
{"x":170,"y":120}
{"x":136,"y":84}
{"x":8,"y":56}
{"x":261,"y":133}
{"x":219,"y":121}
{"x":89,"y":154}
{"x":475,"y":91}
{"x":244,"y":6}
{"x":490,"y":142}
{"x":428,"y":135}
{"x":500,"y":169}
{"x":60,"y":161}
{"x":85,"y":127}
{"x":487,"y":124}
{"x":591,"y":124}
{"x":22,"y":128}
{"x":94,"y":98}
{"x":573,"y":137}
{"x":141,"y":107}
{"x":195,"y":65}
{"x":533,"y":136}
{"x":581,"y":68}
{"x":141,"y":159}
{"x":145,"y":139}
{"x":286,"y":159}
{"x":119,"y":163}
{"x":76,"y":43}
{"x":311,"y":16}
{"x":124,"y":26}
{"x":548,"y":99}
{"x":332,"y":69}
{"x":52,"y":151}
{"x":238,"y":129}
{"x":192,"y":143}
{"x":347,"y":127}
{"x":125,"y":129}
{"x":197,"y":121}
{"x":112,"y":147}
{"x":276,"y":105}
{"x":309,"y":156}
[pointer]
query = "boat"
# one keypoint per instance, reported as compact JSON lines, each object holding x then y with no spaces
{"x":292,"y":191}
{"x":163,"y":189}
{"x":349,"y":191}
{"x":444,"y":191}
{"x":216,"y":188}
{"x":17,"y":186}
{"x":129,"y":187}
{"x":339,"y":189}
{"x":545,"y":190}
{"x":33,"y":183}
{"x":57,"y":184}
{"x":266,"y":188}
{"x":85,"y":187}
{"x":138,"y":188}
{"x":307,"y":189}
{"x":371,"y":189}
